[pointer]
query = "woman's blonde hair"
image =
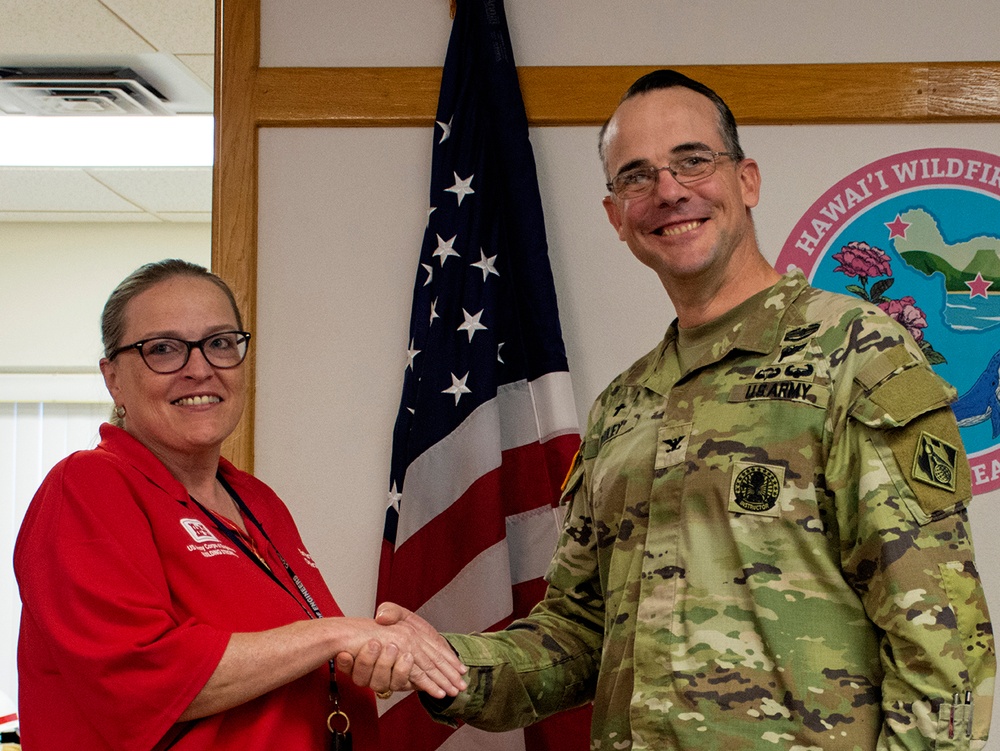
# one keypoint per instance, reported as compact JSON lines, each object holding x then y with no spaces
{"x":149,"y":275}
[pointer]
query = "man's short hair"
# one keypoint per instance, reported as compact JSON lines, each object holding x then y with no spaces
{"x":668,"y":79}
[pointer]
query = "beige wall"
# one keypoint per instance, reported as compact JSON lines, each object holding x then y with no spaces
{"x":56,"y":276}
{"x":332,"y":33}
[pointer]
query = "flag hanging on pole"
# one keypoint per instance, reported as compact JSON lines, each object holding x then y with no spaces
{"x":487,"y":426}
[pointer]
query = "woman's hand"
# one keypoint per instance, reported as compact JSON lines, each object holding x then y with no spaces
{"x":405,"y":653}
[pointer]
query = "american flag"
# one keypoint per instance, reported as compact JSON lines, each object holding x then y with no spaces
{"x":487,"y":426}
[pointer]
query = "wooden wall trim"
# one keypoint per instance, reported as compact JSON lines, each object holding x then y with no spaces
{"x":234,"y":185}
{"x":249,"y":97}
{"x":585,"y":95}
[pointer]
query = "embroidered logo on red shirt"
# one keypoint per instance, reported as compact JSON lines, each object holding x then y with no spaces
{"x":198,"y":531}
{"x":206,"y":542}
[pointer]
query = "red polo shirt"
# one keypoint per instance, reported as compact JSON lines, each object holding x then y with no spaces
{"x":130,"y":595}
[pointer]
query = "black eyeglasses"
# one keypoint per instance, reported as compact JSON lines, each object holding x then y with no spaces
{"x":226,"y":349}
{"x":637,"y":182}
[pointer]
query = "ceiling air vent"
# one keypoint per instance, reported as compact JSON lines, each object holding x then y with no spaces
{"x":76,"y":91}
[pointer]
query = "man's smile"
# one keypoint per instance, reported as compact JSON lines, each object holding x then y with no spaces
{"x":671,"y":230}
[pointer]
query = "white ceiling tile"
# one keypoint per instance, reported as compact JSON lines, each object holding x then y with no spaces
{"x":57,"y":189}
{"x":203,"y":66}
{"x":184,"y":189}
{"x":182,"y":26}
{"x":65,"y":27}
{"x":146,"y":35}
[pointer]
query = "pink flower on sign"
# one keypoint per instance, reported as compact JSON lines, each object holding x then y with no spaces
{"x":862,"y":260}
{"x":906,"y":313}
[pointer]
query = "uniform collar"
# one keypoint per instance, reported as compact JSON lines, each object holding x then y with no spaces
{"x":758,"y":331}
{"x":122,"y":444}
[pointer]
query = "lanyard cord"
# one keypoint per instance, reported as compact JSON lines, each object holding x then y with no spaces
{"x":234,"y":537}
{"x":288,"y":569}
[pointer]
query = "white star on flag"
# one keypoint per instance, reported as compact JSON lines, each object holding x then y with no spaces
{"x":472,"y":324}
{"x":445,"y":129}
{"x":411,"y":353}
{"x":499,"y":347}
{"x":458,"y":387}
{"x":430,"y":211}
{"x":434,"y":304}
{"x":486,"y":264}
{"x":430,"y":272}
{"x":394,"y":497}
{"x":445,"y":249}
{"x":461,"y":188}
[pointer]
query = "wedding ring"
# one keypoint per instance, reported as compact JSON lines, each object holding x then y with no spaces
{"x":383,"y":694}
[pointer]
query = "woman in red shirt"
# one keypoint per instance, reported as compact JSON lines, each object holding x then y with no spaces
{"x":168,"y":599}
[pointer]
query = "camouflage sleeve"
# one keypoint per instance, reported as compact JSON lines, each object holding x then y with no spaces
{"x":902,"y":483}
{"x":547,"y":661}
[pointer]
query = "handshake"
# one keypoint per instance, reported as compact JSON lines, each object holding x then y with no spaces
{"x":400,"y":651}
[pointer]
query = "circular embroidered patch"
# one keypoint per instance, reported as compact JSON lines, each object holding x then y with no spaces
{"x":756,"y":489}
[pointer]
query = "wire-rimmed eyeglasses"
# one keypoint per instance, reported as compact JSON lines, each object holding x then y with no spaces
{"x":164,"y":354}
{"x":692,"y":166}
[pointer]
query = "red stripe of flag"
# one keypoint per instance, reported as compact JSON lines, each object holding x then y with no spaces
{"x":398,"y":725}
{"x":424,"y":563}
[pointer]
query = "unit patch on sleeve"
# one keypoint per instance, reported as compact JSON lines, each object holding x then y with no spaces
{"x":929,"y":465}
{"x":756,"y":488}
{"x":934,"y":462}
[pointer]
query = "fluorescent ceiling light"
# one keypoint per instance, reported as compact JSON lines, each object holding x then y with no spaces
{"x":167,"y":141}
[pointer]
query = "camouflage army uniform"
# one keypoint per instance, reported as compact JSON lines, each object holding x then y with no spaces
{"x":769,"y":551}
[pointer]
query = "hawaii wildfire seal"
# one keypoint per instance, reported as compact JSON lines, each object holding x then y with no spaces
{"x":918,"y":235}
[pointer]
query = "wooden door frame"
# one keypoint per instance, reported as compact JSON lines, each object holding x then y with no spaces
{"x":248,"y":97}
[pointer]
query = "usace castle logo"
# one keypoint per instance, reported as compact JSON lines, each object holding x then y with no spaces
{"x":918,"y":234}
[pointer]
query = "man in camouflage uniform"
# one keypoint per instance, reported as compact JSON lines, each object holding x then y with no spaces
{"x":766,"y":543}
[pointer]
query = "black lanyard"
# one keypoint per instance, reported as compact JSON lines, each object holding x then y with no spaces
{"x":341,"y":740}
